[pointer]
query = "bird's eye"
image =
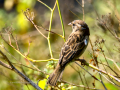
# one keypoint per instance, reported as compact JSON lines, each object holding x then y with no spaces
{"x":73,"y":24}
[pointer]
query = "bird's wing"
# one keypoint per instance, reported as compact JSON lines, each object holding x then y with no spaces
{"x":71,"y":49}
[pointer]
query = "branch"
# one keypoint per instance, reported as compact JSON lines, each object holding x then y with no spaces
{"x":79,"y":85}
{"x":11,"y":67}
{"x":96,"y":68}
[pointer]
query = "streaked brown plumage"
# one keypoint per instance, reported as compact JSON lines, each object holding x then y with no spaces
{"x":72,"y":49}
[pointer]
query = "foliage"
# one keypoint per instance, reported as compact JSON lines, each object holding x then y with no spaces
{"x":32,"y":39}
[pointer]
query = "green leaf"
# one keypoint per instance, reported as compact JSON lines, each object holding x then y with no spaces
{"x":42,"y":83}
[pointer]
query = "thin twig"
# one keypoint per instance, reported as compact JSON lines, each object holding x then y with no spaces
{"x":113,"y":62}
{"x":79,"y":74}
{"x":60,"y":15}
{"x":85,"y":80}
{"x":5,"y":65}
{"x":96,"y":62}
{"x":83,"y":10}
{"x":87,"y":72}
{"x":95,"y":68}
{"x":78,"y":85}
{"x":27,"y":15}
{"x":74,"y":14}
{"x":44,"y":4}
{"x":99,"y":70}
{"x":18,"y":72}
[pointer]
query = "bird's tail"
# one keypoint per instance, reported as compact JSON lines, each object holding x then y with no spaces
{"x":53,"y":78}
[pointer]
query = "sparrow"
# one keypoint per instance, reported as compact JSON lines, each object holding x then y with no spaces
{"x":72,"y":49}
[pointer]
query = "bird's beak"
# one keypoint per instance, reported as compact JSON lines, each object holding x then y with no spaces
{"x":70,"y":24}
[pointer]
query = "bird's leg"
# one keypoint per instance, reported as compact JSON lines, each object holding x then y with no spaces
{"x":83,"y":62}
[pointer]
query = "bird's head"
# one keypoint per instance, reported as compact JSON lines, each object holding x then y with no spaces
{"x":79,"y":26}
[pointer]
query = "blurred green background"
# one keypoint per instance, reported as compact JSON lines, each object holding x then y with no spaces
{"x":11,"y":16}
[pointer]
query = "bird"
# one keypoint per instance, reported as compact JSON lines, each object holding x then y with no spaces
{"x":72,"y":49}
